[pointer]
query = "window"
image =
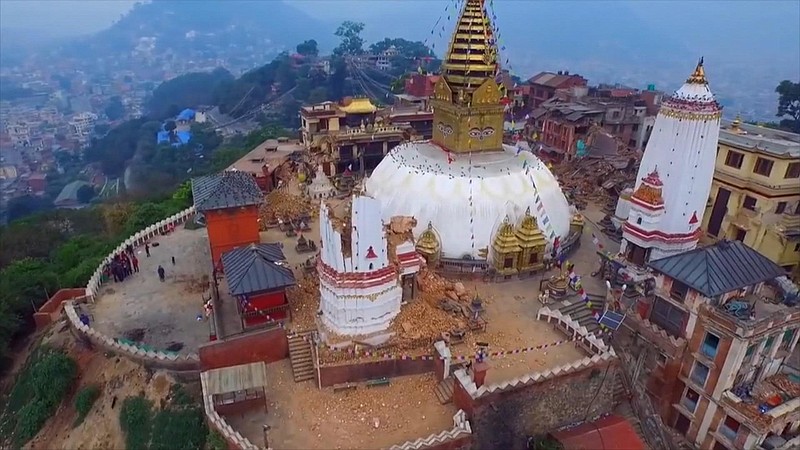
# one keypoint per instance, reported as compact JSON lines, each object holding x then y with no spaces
{"x":729,"y":428}
{"x":719,"y":446}
{"x":797,"y":247}
{"x":699,"y":373}
{"x":690,"y":399}
{"x":768,"y":344}
{"x":734,"y":159}
{"x":639,"y":221}
{"x":534,"y":258}
{"x":763,"y":167}
{"x":780,"y":208}
{"x":710,"y":345}
{"x":740,"y":235}
{"x":668,"y":317}
{"x":508,"y":263}
{"x":749,"y":203}
{"x":793,"y":171}
{"x":750,"y":349}
{"x":788,"y":337}
{"x":678,"y":291}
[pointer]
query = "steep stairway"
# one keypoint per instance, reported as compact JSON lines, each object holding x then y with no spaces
{"x":577,"y":310}
{"x":301,"y":357}
{"x":444,"y":390}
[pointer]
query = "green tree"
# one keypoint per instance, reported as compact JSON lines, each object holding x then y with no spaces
{"x":352,"y":43}
{"x":789,"y":105}
{"x":115,"y":109}
{"x":308,"y":48}
{"x":85,"y":193}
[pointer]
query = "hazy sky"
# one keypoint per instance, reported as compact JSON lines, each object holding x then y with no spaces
{"x":61,"y":17}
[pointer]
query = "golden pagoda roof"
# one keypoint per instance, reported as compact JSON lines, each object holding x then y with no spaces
{"x":699,"y":74}
{"x":506,"y":239}
{"x":359,"y":105}
{"x":428,"y":242}
{"x":471,"y":58}
{"x":529,"y":234}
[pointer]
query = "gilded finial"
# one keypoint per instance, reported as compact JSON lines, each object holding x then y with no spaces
{"x":699,"y":74}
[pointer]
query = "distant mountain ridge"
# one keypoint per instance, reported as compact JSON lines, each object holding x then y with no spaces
{"x":198,"y":25}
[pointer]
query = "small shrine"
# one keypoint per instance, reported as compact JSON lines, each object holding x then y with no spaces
{"x":576,"y":224}
{"x":532,"y":243}
{"x":506,"y":250}
{"x":428,"y":246}
{"x":320,"y":187}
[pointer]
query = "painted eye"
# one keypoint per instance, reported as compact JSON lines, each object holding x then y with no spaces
{"x":488,"y":132}
{"x":448,"y":130}
{"x":475,"y":132}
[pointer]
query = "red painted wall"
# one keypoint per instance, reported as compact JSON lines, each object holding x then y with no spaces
{"x":231,"y":228}
{"x":350,"y":373}
{"x":264,"y":301}
{"x":44,"y":316}
{"x":265,"y":345}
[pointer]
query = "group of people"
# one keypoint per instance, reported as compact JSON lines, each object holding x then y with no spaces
{"x":122,"y":266}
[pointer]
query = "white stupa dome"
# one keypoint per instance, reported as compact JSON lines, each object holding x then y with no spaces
{"x":467,"y":196}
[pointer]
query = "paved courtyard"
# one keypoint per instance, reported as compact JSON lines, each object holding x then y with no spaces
{"x":166,"y":311}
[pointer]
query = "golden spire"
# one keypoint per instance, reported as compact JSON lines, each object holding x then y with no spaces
{"x":472,"y":55}
{"x":699,"y":74}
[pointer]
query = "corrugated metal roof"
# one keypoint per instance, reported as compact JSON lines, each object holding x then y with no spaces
{"x":235,"y":378}
{"x":229,"y":189}
{"x":723,"y":267}
{"x":255,"y":268}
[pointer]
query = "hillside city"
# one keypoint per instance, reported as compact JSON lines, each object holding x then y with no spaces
{"x":233,"y":241}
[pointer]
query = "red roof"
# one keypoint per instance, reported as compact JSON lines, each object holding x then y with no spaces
{"x":610,"y":432}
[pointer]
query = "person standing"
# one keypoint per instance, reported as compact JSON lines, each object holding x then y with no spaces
{"x":135,"y":263}
{"x":161,"y":273}
{"x":147,"y":249}
{"x":173,"y":260}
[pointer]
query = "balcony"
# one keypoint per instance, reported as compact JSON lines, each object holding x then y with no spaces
{"x":742,"y":315}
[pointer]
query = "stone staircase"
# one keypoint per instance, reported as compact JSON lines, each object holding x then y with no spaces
{"x":301,"y":357}
{"x":444,"y":390}
{"x":624,"y":410}
{"x":576,"y":309}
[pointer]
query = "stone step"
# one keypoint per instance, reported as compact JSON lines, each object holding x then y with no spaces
{"x":444,"y":390}
{"x":300,"y":358}
{"x":303,"y":376}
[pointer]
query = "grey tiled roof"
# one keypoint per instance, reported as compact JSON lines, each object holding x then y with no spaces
{"x":229,"y":189}
{"x":723,"y":267}
{"x":253,"y":268}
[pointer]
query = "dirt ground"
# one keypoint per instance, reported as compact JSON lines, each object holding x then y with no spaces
{"x":304,"y":417}
{"x":167,"y":312}
{"x":118,"y":378}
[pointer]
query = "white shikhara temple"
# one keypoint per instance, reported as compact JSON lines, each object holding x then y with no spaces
{"x":360,"y":285}
{"x":464,"y":183}
{"x":674,"y":180}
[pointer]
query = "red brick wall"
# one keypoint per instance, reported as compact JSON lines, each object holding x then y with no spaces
{"x":231,"y":228}
{"x":349,"y":373}
{"x":43,"y":316}
{"x":265,"y":345}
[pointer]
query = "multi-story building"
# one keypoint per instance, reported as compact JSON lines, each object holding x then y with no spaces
{"x":755,"y":196}
{"x":83,"y":124}
{"x":714,"y":339}
{"x":564,"y":121}
{"x":356,"y":135}
{"x":543,"y":86}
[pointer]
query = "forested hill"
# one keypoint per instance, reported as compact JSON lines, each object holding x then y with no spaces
{"x":198,"y":25}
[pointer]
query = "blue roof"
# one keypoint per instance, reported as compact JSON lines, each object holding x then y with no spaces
{"x":186,"y":114}
{"x":180,"y":138}
{"x":184,"y":136}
